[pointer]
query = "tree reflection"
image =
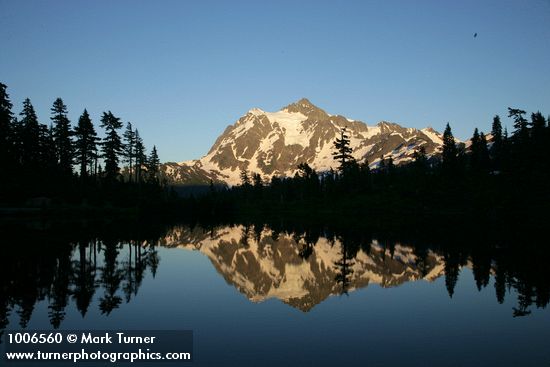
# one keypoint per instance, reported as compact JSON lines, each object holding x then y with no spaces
{"x":59,"y":269}
{"x":344,"y":270}
{"x":452,"y":271}
{"x":84,"y":276}
{"x":106,"y":266}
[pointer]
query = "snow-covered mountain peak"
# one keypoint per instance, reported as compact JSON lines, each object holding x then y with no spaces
{"x":275,"y":143}
{"x":256,"y":111}
{"x":303,"y":103}
{"x":307,"y":108}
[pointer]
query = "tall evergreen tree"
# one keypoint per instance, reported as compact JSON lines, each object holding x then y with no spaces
{"x":16,"y":142}
{"x":29,"y":135}
{"x":475,"y":150}
{"x":6,"y":119}
{"x":521,"y":125}
{"x":496,"y":148}
{"x":506,"y":150}
{"x":85,"y":144}
{"x":153,"y":165}
{"x":539,"y":148}
{"x":343,"y":151}
{"x":538,"y":126}
{"x":484,"y":159}
{"x":62,"y":136}
{"x":496,"y":128}
{"x":129,"y":147}
{"x":111,"y":145}
{"x":140,"y":157}
{"x":520,"y":156}
{"x":48,"y":152}
{"x":450,"y":151}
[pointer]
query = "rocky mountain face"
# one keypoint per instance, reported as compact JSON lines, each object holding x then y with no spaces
{"x":274,"y":143}
{"x":263,"y":264}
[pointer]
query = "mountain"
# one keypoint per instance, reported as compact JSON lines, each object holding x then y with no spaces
{"x":263,"y":264}
{"x":274,"y":143}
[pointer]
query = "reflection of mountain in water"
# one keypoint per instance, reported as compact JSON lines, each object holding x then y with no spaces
{"x":263,"y":264}
{"x":93,"y":266}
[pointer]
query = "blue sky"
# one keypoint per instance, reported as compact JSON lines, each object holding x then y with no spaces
{"x":181,"y":71}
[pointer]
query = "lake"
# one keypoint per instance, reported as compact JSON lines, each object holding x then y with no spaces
{"x":259,"y":295}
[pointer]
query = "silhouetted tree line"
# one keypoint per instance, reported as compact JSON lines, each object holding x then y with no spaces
{"x":74,"y":266}
{"x":61,"y":164}
{"x":495,"y":180}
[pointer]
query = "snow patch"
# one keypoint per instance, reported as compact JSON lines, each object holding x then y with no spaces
{"x":433,"y":136}
{"x":290,"y":124}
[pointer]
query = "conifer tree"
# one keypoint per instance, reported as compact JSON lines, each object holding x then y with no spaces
{"x":111,"y":145}
{"x":496,"y":128}
{"x":484,"y":159}
{"x":520,"y":146}
{"x":140,"y":157}
{"x":538,"y":155}
{"x":16,"y":142}
{"x":85,"y":144}
{"x":6,"y":119}
{"x":29,"y":135}
{"x":62,"y":137}
{"x":129,"y":147}
{"x":521,"y":125}
{"x":153,"y":165}
{"x":475,"y":150}
{"x":538,"y":125}
{"x":496,"y":148}
{"x":48,"y":152}
{"x":506,"y":150}
{"x":343,"y":151}
{"x":449,"y":150}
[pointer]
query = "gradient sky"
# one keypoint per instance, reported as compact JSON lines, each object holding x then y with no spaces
{"x":181,"y":71}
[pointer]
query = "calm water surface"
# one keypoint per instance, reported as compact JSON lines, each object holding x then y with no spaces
{"x":256,"y":296}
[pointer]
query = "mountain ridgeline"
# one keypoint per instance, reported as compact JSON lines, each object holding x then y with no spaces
{"x":275,"y":143}
{"x":385,"y":176}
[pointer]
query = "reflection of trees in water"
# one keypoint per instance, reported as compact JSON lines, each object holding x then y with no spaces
{"x":112,"y":267}
{"x":527,"y":272}
{"x":111,"y":276}
{"x":517,"y":267}
{"x":307,"y":241}
{"x":58,"y":294}
{"x":344,"y":270}
{"x":514,"y":265}
{"x":38,"y":269}
{"x":85,"y":270}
